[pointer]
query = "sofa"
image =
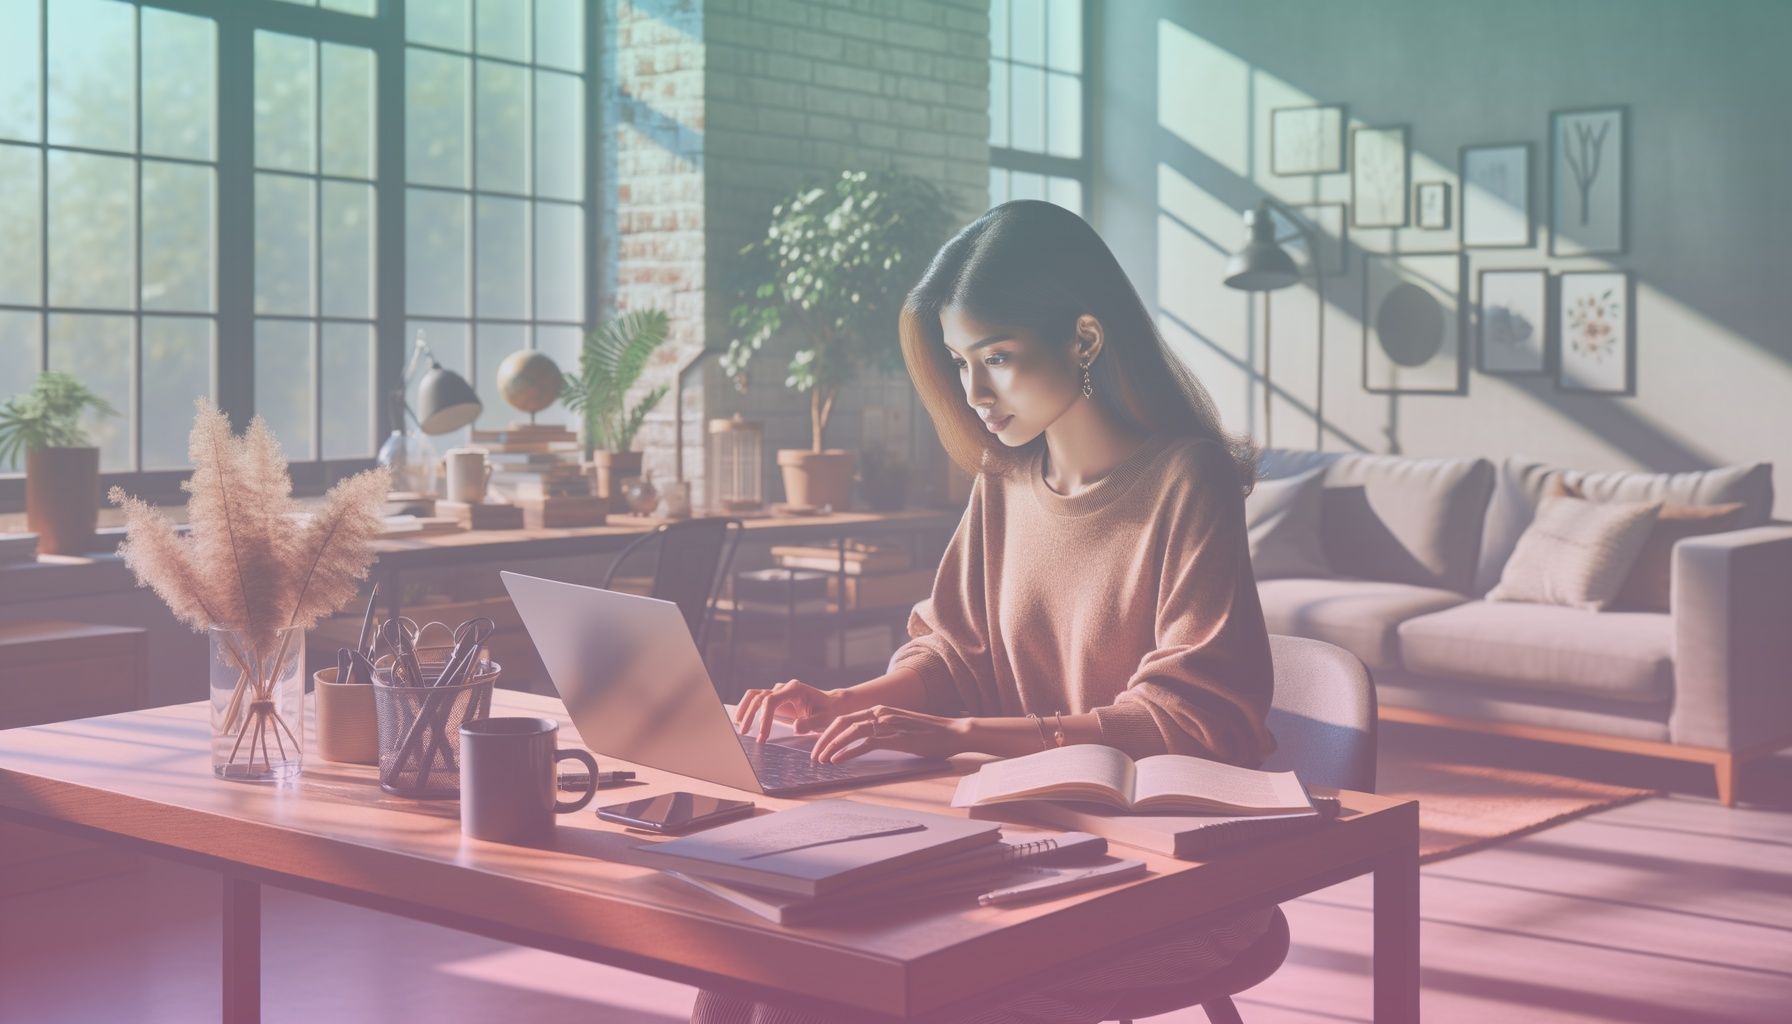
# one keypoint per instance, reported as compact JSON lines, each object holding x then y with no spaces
{"x":1391,"y":557}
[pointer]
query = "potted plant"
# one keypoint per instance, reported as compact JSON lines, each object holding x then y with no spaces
{"x":611,"y":361}
{"x":834,"y":266}
{"x":62,"y":467}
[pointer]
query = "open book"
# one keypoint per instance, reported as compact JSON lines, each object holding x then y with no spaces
{"x":1164,"y":784}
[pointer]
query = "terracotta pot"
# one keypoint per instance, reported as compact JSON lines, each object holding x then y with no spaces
{"x":612,"y":468}
{"x":62,"y":498}
{"x":813,"y":479}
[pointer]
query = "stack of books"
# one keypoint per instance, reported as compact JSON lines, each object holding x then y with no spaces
{"x":18,"y":548}
{"x":780,"y":591}
{"x":536,"y":468}
{"x":403,"y":527}
{"x":876,"y":576}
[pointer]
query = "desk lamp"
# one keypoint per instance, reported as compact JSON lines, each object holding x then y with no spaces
{"x":1264,"y":266}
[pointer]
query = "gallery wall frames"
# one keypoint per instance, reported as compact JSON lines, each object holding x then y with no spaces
{"x":1431,"y":205}
{"x":1379,"y":197}
{"x":1306,"y":140}
{"x":1594,"y":315}
{"x":1512,"y":321}
{"x":1328,"y":221}
{"x":1496,"y":196}
{"x":1413,"y":324}
{"x":1588,"y":158}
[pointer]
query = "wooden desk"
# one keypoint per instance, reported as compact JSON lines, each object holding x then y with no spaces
{"x":143,"y":779}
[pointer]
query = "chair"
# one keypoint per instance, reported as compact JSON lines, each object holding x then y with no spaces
{"x":691,"y":558}
{"x":1323,"y":719}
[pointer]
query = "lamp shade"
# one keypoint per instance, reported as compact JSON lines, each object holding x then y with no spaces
{"x":445,"y":402}
{"x":1262,"y":265}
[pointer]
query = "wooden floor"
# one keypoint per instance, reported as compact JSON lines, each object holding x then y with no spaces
{"x":1671,"y":909}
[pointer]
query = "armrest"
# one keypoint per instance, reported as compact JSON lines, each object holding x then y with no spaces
{"x":1732,"y":607}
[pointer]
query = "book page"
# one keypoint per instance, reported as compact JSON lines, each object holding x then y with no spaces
{"x":1085,"y":771}
{"x":1200,"y":782}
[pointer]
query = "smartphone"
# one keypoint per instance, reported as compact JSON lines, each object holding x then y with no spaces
{"x":676,"y":813}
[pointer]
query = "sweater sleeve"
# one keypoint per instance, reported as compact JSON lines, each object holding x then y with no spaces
{"x":1206,"y":688}
{"x":949,"y":631}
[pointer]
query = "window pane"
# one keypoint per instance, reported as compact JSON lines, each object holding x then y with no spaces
{"x":178,"y":230}
{"x":21,"y":233}
{"x":1065,"y":105}
{"x":97,"y":351}
{"x":348,"y":249}
{"x":501,"y":286}
{"x":93,"y":221}
{"x":348,"y":358}
{"x":367,"y":7}
{"x":437,"y":23}
{"x":177,"y":368}
{"x":559,"y":136}
{"x":501,"y":135}
{"x":348,"y":111}
{"x":1066,"y":192}
{"x":503,"y":28}
{"x":93,"y":74}
{"x":285,"y":102}
{"x":1028,"y":42}
{"x":1023,"y":185}
{"x":561,"y":344}
{"x":283,"y":384}
{"x":560,"y":34}
{"x":559,"y":263}
{"x":283,"y":244}
{"x":435,"y":235}
{"x":1028,"y":128}
{"x":998,"y":186}
{"x":496,"y":341}
{"x":20,"y":76}
{"x":21,"y":348}
{"x":435,"y":136}
{"x":1065,"y":35}
{"x":998,"y":103}
{"x":180,"y":84}
{"x":998,"y":28}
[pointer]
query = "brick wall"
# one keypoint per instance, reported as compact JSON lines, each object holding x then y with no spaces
{"x":721,"y":107}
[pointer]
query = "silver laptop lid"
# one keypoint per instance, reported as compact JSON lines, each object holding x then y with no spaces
{"x":631,"y":678}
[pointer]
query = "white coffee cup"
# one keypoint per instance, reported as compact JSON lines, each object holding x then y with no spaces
{"x":468,"y":475}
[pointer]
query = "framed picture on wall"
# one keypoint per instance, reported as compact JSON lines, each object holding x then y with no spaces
{"x":1306,"y":140}
{"x":1512,"y":321}
{"x":1378,"y":177}
{"x":1598,"y":332}
{"x":1326,"y":220}
{"x":1412,"y":324}
{"x":1496,"y":196}
{"x":1431,"y":205}
{"x":1587,"y":158}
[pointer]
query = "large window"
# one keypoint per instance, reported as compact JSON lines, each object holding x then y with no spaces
{"x":1038,"y":143}
{"x":263,"y":200}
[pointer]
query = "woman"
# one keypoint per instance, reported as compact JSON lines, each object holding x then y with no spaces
{"x":1098,"y":589}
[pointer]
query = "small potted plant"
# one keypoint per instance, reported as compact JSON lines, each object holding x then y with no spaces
{"x":611,"y":361}
{"x":62,"y":466}
{"x":834,"y":266}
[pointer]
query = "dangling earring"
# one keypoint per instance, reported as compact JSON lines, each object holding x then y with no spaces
{"x":1088,"y":383}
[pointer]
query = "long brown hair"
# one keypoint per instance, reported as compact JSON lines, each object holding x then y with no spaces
{"x":1036,"y":265}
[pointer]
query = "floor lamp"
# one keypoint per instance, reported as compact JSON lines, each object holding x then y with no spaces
{"x":1264,"y":266}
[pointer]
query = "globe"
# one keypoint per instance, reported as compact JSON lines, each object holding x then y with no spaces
{"x":529,"y":381}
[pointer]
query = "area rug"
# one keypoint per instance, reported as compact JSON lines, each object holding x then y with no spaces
{"x":1465,"y":807}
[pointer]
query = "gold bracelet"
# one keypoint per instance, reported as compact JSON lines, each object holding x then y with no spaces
{"x":1058,"y":733}
{"x":1045,"y":742}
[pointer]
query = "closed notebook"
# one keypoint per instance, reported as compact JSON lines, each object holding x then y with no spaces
{"x":1183,"y":836}
{"x":821,"y":847}
{"x":1164,"y":784}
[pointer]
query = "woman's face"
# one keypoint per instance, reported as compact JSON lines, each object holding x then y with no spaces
{"x":1018,"y":383}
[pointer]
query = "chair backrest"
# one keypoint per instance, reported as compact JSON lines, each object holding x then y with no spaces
{"x":690,"y":559}
{"x":1323,"y":714}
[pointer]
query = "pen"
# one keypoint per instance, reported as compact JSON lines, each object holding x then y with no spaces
{"x":574,"y":781}
{"x":1067,"y":883}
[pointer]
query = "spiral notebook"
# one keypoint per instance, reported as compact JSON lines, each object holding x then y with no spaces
{"x":1183,"y":836}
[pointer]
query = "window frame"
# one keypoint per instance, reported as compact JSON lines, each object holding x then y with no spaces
{"x":1081,"y":169}
{"x":233,"y":364}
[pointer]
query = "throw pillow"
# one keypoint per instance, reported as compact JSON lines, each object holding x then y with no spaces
{"x":1646,"y":589}
{"x":1282,"y":520}
{"x":1576,"y":552}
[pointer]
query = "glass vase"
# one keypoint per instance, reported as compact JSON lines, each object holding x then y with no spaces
{"x":412,"y":460}
{"x":258,"y":705}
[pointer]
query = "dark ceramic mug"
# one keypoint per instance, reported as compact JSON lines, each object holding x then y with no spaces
{"x":507,"y":779}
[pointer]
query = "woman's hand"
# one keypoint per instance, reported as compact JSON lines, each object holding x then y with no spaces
{"x":809,"y":708}
{"x":887,"y":728}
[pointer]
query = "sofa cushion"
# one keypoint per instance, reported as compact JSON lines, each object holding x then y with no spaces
{"x":1646,"y":588}
{"x":1576,"y":552}
{"x":1357,"y":615}
{"x":1396,"y":518}
{"x":1521,"y":481}
{"x":1282,"y":519}
{"x":1611,"y":655}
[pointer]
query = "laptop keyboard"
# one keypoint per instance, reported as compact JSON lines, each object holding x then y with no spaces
{"x":778,"y":765}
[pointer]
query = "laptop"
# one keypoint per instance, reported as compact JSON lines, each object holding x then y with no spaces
{"x":637,"y":690}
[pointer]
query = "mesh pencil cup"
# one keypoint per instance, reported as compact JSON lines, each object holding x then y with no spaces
{"x":419,"y":726}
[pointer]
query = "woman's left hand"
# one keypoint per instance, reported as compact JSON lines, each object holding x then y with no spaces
{"x":888,"y":728}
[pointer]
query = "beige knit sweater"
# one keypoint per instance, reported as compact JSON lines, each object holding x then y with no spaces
{"x":1133,"y":599}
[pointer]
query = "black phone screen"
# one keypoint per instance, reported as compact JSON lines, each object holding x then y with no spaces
{"x":674,"y":812}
